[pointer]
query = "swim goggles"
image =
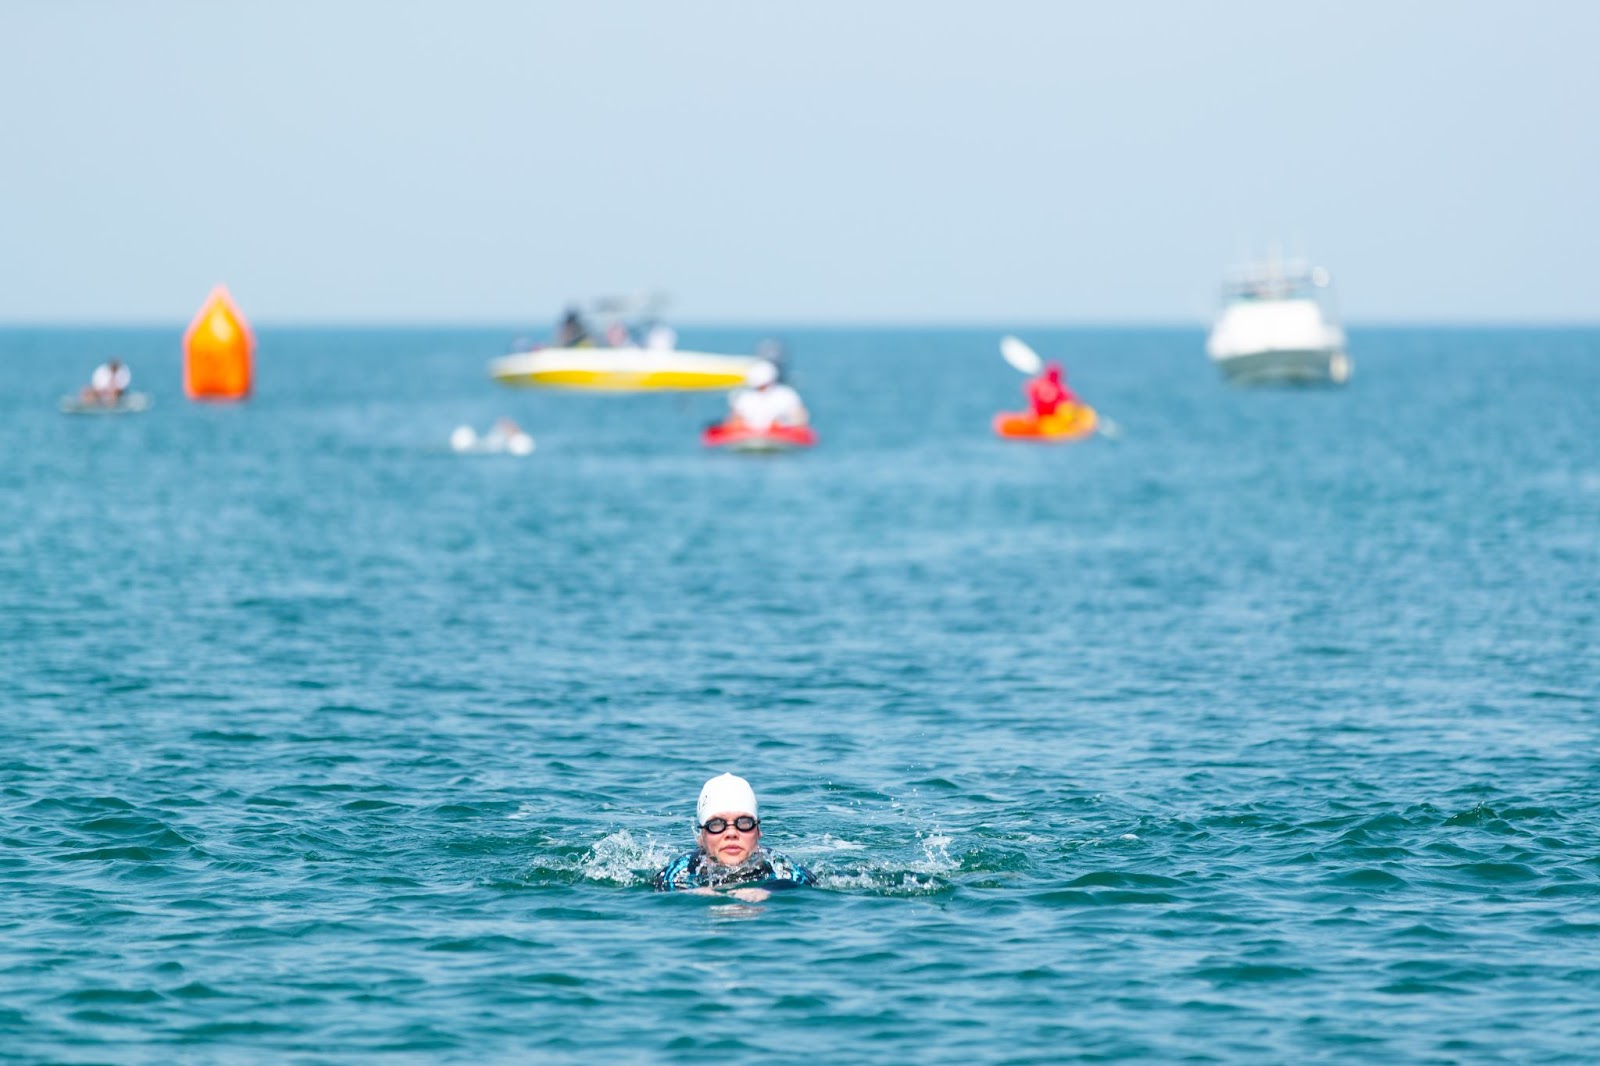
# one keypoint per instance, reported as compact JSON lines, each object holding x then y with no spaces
{"x":744,"y":824}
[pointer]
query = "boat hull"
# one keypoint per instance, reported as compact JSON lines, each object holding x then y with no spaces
{"x":1302,"y":366}
{"x":622,"y":370}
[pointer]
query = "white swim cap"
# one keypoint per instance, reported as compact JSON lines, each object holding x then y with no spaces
{"x":761,"y":374}
{"x":726,"y":795}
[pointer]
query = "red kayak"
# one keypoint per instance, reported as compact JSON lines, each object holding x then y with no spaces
{"x":736,"y":436}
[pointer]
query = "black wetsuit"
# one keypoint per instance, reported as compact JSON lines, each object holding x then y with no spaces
{"x":765,"y":869}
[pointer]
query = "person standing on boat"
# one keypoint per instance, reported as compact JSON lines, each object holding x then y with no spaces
{"x":661,"y":338}
{"x":1048,"y":392}
{"x":618,"y":335}
{"x":107,"y":384}
{"x":765,"y":402}
{"x":729,"y":852}
{"x":572,"y":333}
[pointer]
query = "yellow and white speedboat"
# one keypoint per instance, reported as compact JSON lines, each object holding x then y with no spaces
{"x":622,"y":369}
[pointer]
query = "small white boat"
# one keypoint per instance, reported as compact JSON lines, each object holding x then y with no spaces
{"x":1277,"y":326}
{"x":622,"y":369}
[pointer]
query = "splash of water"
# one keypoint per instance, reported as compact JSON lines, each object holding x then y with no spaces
{"x":619,"y":859}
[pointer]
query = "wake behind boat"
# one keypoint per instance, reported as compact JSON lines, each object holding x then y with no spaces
{"x":1277,"y":326}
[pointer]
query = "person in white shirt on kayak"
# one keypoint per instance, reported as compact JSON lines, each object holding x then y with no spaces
{"x":107,"y":384}
{"x":766,"y":402}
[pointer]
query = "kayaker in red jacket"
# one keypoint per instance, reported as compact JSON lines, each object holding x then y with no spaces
{"x":1047,"y":392}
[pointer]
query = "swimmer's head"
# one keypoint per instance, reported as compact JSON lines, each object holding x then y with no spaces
{"x":726,"y":795}
{"x":725,"y":802}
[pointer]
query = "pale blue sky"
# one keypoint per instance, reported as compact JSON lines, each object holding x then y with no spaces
{"x":825,"y":162}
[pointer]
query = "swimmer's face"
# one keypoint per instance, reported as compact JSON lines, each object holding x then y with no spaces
{"x":732,"y":846}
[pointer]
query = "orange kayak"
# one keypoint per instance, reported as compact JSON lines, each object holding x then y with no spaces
{"x":1069,"y":422}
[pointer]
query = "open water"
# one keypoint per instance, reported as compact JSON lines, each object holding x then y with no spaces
{"x":1266,"y":732}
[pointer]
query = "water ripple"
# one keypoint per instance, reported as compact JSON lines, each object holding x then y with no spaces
{"x":1264,"y":734}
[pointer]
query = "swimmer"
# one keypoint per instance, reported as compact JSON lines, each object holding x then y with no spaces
{"x":730,"y":854}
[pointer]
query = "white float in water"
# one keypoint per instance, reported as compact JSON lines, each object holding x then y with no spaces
{"x":503,"y":438}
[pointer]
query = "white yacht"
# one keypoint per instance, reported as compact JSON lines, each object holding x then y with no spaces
{"x":1278,"y":326}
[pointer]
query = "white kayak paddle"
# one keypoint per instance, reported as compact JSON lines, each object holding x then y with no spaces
{"x":1019,"y":355}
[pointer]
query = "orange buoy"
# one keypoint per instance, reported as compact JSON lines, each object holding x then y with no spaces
{"x":217,"y":349}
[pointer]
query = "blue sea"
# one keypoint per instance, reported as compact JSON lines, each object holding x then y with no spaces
{"x":1265,"y":731}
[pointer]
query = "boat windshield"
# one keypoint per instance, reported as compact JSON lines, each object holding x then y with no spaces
{"x":1275,"y":281}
